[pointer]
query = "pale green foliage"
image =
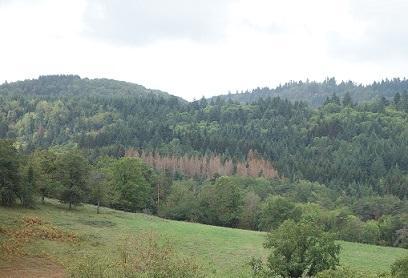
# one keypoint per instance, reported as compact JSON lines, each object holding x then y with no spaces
{"x":344,"y":272}
{"x":301,"y":249}
{"x":146,"y":255}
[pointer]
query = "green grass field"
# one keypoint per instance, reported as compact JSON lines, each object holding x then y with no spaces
{"x":223,"y":251}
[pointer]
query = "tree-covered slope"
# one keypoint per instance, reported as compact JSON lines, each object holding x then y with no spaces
{"x":315,"y":93}
{"x":73,"y":85}
{"x":359,"y":149}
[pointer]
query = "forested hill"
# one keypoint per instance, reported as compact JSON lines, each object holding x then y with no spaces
{"x":73,"y":85}
{"x":355,"y":148}
{"x":315,"y":93}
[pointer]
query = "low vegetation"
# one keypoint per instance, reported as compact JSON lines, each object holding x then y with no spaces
{"x":216,"y":251}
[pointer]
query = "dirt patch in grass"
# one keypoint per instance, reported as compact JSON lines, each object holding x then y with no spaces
{"x":31,"y":267}
{"x":98,"y":223}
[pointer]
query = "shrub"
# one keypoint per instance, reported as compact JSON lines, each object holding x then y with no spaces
{"x":301,"y":249}
{"x":399,"y":269}
{"x":143,"y":256}
{"x":344,"y":273}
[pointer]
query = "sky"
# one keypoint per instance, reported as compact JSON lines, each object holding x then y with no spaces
{"x":196,"y":48}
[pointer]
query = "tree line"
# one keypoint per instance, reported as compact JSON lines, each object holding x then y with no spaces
{"x":254,"y":203}
{"x":357,"y":148}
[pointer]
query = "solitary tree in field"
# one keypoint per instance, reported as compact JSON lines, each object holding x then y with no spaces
{"x":72,"y":174}
{"x":300,"y":250}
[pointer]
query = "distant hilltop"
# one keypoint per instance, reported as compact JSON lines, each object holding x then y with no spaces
{"x":315,"y":93}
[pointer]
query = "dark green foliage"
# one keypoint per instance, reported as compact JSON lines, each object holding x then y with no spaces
{"x":28,"y":188}
{"x":249,"y":218}
{"x":181,"y":203}
{"x":315,"y":93}
{"x":101,"y":190}
{"x":343,"y":166}
{"x":72,"y":175}
{"x":221,"y":203}
{"x":399,"y":269}
{"x":276,"y":210}
{"x":356,"y":149}
{"x":347,"y":100}
{"x":301,"y":249}
{"x":134,"y":182}
{"x":44,"y":165}
{"x":10,"y":179}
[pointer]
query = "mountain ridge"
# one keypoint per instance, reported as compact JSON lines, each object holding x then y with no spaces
{"x":74,"y":85}
{"x":315,"y":93}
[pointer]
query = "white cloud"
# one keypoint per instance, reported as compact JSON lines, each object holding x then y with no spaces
{"x":380,"y":33}
{"x":194,"y":48}
{"x":138,"y":22}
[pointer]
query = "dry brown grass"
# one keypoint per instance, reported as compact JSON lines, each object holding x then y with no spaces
{"x":32,"y":228}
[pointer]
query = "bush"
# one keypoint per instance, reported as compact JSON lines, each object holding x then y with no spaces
{"x":344,"y":273}
{"x":301,"y":249}
{"x":143,"y":256}
{"x":399,"y":269}
{"x":276,"y":210}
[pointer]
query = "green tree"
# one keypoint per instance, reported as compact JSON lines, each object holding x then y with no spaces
{"x":72,"y":174}
{"x":397,"y":99}
{"x":181,"y":203}
{"x":249,"y":218}
{"x":10,"y":180}
{"x":44,"y":165}
{"x":276,"y":210}
{"x":221,"y":202}
{"x":347,"y":100}
{"x":134,"y":182}
{"x":28,"y":187}
{"x":100,"y":188}
{"x":300,"y":249}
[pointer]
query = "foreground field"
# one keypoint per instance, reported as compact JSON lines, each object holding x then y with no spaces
{"x":224,"y":252}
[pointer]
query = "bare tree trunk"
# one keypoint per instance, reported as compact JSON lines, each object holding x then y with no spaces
{"x":70,"y":205}
{"x":158,"y":197}
{"x":97,"y":208}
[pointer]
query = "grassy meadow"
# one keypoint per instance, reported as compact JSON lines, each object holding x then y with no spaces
{"x":223,"y":252}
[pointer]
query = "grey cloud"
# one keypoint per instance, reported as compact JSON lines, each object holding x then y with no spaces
{"x":385,"y":37}
{"x":137,"y":22}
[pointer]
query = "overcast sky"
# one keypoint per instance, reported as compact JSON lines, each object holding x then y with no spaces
{"x":195,"y":48}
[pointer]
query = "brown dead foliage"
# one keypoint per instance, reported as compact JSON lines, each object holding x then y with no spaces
{"x":208,"y":165}
{"x":32,"y":228}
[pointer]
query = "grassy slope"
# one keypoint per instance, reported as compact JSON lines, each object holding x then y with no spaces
{"x":223,"y":250}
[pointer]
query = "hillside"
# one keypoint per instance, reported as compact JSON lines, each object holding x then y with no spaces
{"x":222,"y":251}
{"x":73,"y":85}
{"x":340,"y":144}
{"x":315,"y":93}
